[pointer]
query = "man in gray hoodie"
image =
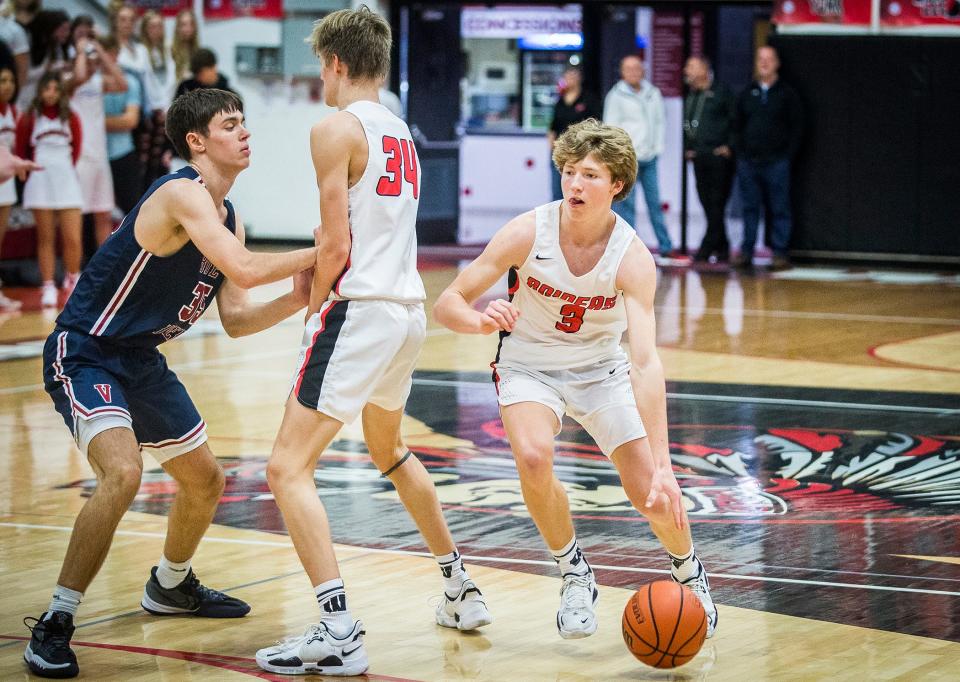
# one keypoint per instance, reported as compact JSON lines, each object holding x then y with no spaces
{"x":636,"y":105}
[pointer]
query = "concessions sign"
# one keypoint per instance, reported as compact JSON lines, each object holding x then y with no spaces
{"x":232,"y":9}
{"x":518,"y":22}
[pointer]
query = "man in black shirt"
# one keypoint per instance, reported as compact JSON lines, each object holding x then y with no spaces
{"x":203,"y":65}
{"x":708,"y":119}
{"x":769,"y":127}
{"x":574,"y":105}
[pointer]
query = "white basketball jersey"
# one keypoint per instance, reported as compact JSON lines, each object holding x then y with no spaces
{"x":565,"y":321}
{"x":8,"y":126}
{"x":383,"y":214}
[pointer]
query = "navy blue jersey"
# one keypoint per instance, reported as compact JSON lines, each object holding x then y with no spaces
{"x":131,"y":297}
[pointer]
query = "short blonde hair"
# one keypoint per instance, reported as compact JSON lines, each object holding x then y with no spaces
{"x":609,"y":144}
{"x":359,"y":38}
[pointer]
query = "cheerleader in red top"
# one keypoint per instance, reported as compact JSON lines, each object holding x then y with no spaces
{"x":49,"y":133}
{"x":8,"y":189}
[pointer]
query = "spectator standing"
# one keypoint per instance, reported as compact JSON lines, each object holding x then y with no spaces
{"x":574,"y":105}
{"x":186,"y":41}
{"x":49,"y":33}
{"x":164,"y":71}
{"x":8,"y":135}
{"x":93,"y":76}
{"x":23,"y":11}
{"x":709,"y":111}
{"x":50,"y":134}
{"x":769,"y":128}
{"x":203,"y":66}
{"x":17,"y":41}
{"x":636,"y":105}
{"x":122,"y":111}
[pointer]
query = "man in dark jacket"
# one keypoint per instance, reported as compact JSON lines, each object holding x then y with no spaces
{"x":769,"y":127}
{"x":203,"y":64}
{"x":709,"y":111}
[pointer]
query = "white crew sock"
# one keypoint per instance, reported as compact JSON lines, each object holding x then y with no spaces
{"x":454,"y":574}
{"x":170,"y":573}
{"x":570,"y":559}
{"x":64,"y":600}
{"x":682,"y":567}
{"x":332,"y":599}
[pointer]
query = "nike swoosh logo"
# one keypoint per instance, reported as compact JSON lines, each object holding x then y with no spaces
{"x":347,"y":653}
{"x":539,"y":257}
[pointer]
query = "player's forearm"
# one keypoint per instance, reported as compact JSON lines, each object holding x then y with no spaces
{"x":263,"y":268}
{"x":453,"y":312}
{"x":649,"y":392}
{"x":255,"y":317}
{"x":330,"y":265}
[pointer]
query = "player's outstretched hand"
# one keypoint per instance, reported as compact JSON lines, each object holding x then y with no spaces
{"x":499,"y":315}
{"x":665,"y":483}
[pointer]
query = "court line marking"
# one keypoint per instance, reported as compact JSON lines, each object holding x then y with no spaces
{"x":222,"y":661}
{"x":737,"y":399}
{"x":801,"y":314}
{"x":502,"y":560}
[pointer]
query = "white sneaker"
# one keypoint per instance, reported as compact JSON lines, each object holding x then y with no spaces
{"x":49,"y":296}
{"x":577,"y":616}
{"x":9,"y":305}
{"x":466,"y":611}
{"x":700,"y":585}
{"x":319,"y":651}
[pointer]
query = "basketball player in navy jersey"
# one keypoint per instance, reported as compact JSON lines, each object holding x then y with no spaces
{"x":579,"y":278}
{"x":361,"y":343}
{"x":179,"y":248}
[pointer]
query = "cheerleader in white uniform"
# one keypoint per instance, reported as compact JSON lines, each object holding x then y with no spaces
{"x":8,"y":135}
{"x":49,"y":133}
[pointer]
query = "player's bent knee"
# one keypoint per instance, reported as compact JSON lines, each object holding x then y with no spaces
{"x":123,"y":478}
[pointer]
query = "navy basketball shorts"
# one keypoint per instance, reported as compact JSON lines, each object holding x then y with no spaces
{"x":96,"y":385}
{"x":358,"y":352}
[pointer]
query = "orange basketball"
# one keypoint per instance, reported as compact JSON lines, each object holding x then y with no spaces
{"x":664,"y":624}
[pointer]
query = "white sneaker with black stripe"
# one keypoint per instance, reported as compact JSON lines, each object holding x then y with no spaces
{"x":700,"y":585}
{"x":318,"y":650}
{"x":577,"y":616}
{"x":466,"y":611}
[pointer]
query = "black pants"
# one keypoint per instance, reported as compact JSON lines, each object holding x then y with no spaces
{"x":127,"y":174}
{"x":714,"y":179}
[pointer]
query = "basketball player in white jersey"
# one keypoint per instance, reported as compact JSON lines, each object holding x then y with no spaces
{"x":365,"y":328}
{"x":579,"y":278}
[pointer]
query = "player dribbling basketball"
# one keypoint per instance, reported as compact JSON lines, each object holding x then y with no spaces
{"x":579,"y":278}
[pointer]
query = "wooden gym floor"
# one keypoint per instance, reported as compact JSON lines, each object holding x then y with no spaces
{"x":815,"y":430}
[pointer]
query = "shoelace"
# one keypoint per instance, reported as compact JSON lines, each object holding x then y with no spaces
{"x":311,"y":631}
{"x":205,"y":592}
{"x":59,"y":639}
{"x":578,"y":592}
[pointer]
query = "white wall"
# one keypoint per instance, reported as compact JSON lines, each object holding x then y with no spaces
{"x":277,"y":196}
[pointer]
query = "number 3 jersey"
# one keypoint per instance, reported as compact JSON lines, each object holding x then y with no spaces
{"x":565,"y":321}
{"x":383,"y":214}
{"x":130,"y":297}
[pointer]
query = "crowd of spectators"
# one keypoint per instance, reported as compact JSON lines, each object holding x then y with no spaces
{"x":86,"y":104}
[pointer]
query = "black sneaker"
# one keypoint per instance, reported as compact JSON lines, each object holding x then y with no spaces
{"x":190,"y":597}
{"x":49,"y":654}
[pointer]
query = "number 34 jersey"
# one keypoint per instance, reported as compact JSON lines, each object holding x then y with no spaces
{"x":565,"y":321}
{"x":383,"y":214}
